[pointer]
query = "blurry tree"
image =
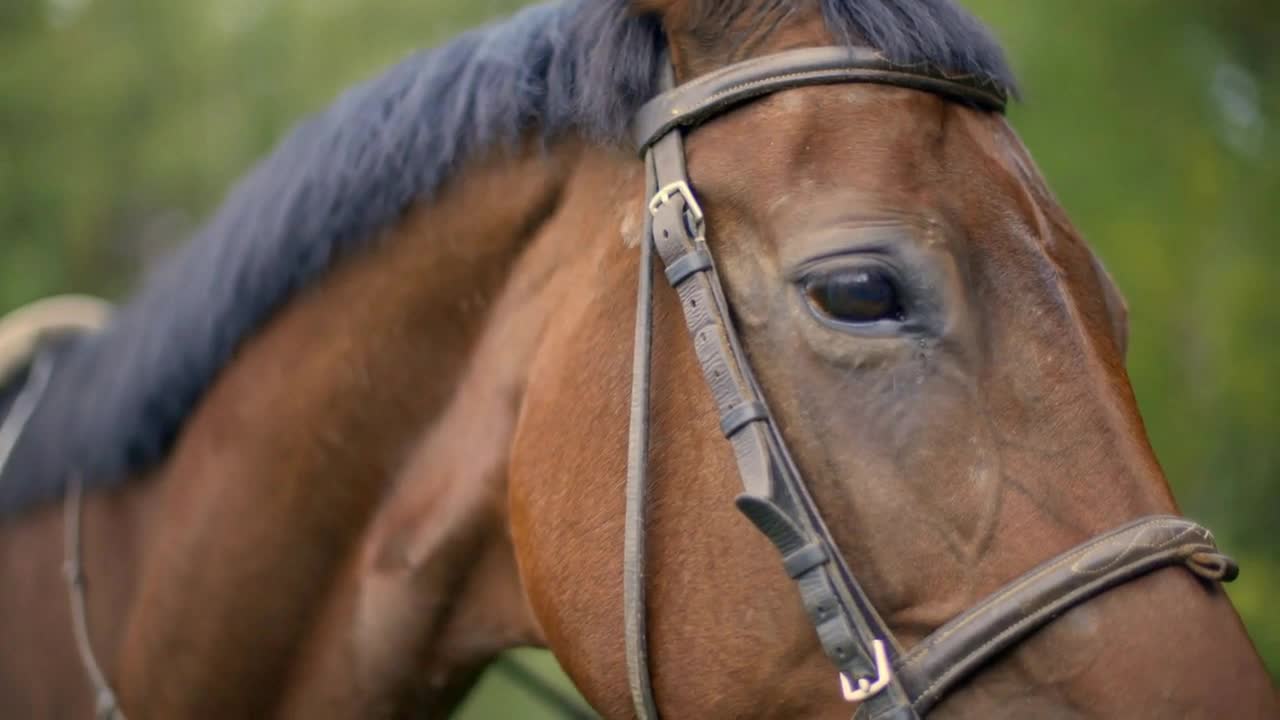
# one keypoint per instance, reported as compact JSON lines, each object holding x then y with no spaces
{"x":123,"y":122}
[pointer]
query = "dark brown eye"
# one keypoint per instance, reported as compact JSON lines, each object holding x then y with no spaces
{"x":857,"y":296}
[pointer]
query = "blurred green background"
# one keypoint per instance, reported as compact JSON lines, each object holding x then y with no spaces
{"x":123,"y":122}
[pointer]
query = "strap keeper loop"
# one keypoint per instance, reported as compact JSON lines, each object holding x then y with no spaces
{"x":741,"y":416}
{"x":804,"y":559}
{"x":682,"y":268}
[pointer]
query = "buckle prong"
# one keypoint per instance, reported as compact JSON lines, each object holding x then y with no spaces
{"x":869,"y":688}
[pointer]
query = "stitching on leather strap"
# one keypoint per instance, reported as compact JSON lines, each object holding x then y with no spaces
{"x":1066,"y":601}
{"x":1119,"y":557}
{"x":848,"y":73}
{"x":917,"y":653}
{"x":786,"y":81}
{"x":707,"y":96}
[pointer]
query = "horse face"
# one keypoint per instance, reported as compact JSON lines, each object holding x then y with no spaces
{"x":944,"y":357}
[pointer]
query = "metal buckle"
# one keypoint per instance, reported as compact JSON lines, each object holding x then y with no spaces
{"x":868,"y":688}
{"x":681,"y":188}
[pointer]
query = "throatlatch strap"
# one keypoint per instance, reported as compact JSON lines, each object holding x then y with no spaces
{"x":633,"y":551}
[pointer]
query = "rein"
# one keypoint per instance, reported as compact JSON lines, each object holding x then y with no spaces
{"x":22,"y":336}
{"x":872,"y":667}
{"x":105,"y":705}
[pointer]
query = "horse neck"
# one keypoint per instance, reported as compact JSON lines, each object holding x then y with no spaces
{"x":351,"y":457}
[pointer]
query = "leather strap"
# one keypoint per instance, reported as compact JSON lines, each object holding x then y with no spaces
{"x":105,"y":704}
{"x":957,"y":649}
{"x":774,"y":498}
{"x":23,"y":407}
{"x":633,"y":555}
{"x":714,"y":93}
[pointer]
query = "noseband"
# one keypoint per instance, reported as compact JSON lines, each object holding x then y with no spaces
{"x":873,"y":668}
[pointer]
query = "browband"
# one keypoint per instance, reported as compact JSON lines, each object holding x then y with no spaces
{"x":704,"y":97}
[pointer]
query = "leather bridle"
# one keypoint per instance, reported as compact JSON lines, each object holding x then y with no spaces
{"x":874,"y":669}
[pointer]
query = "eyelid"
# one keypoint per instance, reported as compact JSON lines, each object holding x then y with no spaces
{"x":805,"y":272}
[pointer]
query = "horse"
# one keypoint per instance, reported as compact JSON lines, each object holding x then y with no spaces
{"x":387,"y":414}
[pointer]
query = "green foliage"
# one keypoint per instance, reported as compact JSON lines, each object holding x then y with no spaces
{"x":122,"y":124}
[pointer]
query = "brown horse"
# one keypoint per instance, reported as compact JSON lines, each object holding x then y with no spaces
{"x":371,"y":427}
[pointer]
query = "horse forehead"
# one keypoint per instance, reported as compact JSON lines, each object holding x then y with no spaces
{"x":874,"y":137}
{"x":815,"y":154}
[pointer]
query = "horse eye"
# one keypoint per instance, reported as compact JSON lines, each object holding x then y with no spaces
{"x":857,"y":296}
